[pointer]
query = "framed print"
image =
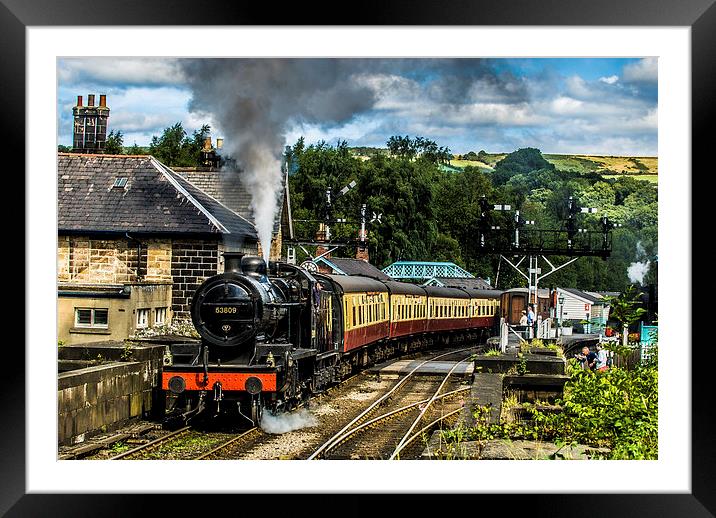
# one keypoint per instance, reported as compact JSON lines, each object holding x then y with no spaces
{"x":674,"y":38}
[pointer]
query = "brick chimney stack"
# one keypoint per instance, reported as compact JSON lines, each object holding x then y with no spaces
{"x":90,"y":125}
{"x":321,"y":236}
{"x":362,"y":253}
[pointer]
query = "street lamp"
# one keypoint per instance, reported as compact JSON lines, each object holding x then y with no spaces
{"x":561,"y":308}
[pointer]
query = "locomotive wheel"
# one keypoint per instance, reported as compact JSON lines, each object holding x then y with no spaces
{"x":257,"y":410}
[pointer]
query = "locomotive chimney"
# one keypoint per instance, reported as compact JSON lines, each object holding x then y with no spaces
{"x":232,"y":262}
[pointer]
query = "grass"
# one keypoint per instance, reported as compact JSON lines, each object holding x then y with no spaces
{"x":119,"y":447}
{"x":601,"y":163}
{"x":653,"y":178}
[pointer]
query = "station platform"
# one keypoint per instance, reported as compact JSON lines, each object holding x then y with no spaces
{"x":433,"y":368}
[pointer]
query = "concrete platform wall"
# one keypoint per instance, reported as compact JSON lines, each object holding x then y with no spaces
{"x":104,"y":397}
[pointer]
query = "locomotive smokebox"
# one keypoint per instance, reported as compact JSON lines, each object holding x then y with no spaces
{"x":232,"y":262}
{"x":253,"y":266}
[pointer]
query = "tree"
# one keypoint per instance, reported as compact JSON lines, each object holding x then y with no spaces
{"x":175,"y":148}
{"x":625,"y":309}
{"x":64,"y":149}
{"x":134,"y":149}
{"x":522,"y":161}
{"x":114,"y":143}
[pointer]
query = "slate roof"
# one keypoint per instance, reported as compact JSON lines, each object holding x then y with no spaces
{"x":227,"y":187}
{"x":591,"y":297}
{"x":476,"y":283}
{"x":154,"y":200}
{"x":350,"y":266}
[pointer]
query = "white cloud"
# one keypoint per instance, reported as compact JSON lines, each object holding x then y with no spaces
{"x":120,"y":71}
{"x":645,"y":70}
{"x":609,"y":80}
{"x":567,"y":105}
{"x":578,"y":87}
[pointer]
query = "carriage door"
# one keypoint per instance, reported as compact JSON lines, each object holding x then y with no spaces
{"x":326,"y":319}
{"x":517,"y":305}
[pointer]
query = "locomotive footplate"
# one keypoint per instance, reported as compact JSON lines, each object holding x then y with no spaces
{"x":244,"y":378}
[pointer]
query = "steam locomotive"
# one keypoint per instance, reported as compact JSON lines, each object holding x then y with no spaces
{"x":273,"y":336}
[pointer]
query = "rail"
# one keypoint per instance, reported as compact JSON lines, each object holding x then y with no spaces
{"x":339,"y":436}
{"x":424,"y":409}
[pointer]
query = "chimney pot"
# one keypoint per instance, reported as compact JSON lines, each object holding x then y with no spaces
{"x":103,"y":100}
{"x":90,"y":100}
{"x":79,"y":100}
{"x":219,"y":143}
{"x":207,"y":143}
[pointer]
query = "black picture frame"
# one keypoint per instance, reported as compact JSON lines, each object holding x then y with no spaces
{"x":700,"y":15}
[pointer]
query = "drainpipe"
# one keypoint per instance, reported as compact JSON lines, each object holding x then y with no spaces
{"x":139,"y":255}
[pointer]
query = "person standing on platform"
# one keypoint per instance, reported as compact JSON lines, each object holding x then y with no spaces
{"x":601,"y":358}
{"x":523,"y":324}
{"x":530,"y":321}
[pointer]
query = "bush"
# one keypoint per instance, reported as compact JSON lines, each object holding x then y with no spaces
{"x":616,"y":409}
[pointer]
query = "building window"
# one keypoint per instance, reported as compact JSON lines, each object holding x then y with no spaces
{"x":91,"y":317}
{"x":142,"y":317}
{"x":160,"y":316}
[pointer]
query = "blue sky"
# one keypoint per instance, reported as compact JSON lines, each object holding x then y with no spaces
{"x":559,"y":105}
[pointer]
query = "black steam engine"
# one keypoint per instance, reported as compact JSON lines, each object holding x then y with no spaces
{"x":249,"y":325}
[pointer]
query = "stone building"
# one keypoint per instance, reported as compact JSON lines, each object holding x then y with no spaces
{"x":135,"y":239}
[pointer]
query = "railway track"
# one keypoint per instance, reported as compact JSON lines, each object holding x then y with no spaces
{"x":399,"y":406}
{"x":392,"y":432}
{"x":186,"y":444}
{"x":152,"y":445}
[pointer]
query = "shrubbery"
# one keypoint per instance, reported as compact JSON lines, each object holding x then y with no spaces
{"x":616,"y":409}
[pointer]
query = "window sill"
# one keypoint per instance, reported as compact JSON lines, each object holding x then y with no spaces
{"x":90,"y":331}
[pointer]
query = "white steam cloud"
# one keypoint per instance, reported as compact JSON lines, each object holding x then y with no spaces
{"x":282,"y":423}
{"x":637,"y":270}
{"x":256,"y":100}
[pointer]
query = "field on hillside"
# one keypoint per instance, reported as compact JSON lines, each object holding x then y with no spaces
{"x":653,"y":178}
{"x":613,"y":164}
{"x":643,"y":168}
{"x":474,"y":163}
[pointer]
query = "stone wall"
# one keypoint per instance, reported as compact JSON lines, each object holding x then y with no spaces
{"x":81,"y":259}
{"x":104,"y":397}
